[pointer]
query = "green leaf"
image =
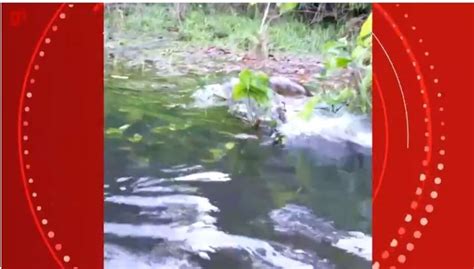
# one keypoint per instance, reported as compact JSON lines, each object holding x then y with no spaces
{"x":308,"y":109}
{"x":260,"y":95}
{"x":261,"y":98}
{"x":328,"y":45}
{"x":344,"y":96}
{"x":367,"y":42}
{"x":254,"y":86}
{"x":335,"y":47}
{"x":286,"y":7}
{"x":337,"y":62}
{"x":245,"y":78}
{"x":239,"y":91}
{"x":262,"y":92}
{"x":359,"y":52}
{"x":261,"y":81}
{"x":366,"y":28}
{"x":342,"y":62}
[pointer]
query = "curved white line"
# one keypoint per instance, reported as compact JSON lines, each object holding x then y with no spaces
{"x":399,"y":87}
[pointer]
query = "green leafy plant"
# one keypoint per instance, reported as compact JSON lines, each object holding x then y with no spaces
{"x":366,"y":31}
{"x":357,"y":56}
{"x":254,"y":87}
{"x":338,"y":55}
{"x":339,"y":100}
{"x":362,"y":55}
{"x":308,"y":108}
{"x":335,"y":101}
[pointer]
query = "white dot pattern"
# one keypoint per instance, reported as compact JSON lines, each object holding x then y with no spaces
{"x":40,"y":55}
{"x":429,"y":173}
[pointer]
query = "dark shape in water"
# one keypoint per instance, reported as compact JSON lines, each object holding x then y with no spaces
{"x":281,"y":85}
{"x":287,"y":87}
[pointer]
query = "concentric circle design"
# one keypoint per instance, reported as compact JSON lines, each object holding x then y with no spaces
{"x":34,"y":199}
{"x":403,"y":244}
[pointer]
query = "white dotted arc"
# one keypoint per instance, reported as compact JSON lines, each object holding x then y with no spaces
{"x":26,"y":138}
{"x":429,"y":207}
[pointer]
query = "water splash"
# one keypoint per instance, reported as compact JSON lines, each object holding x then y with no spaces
{"x":346,"y":127}
{"x":299,"y":220}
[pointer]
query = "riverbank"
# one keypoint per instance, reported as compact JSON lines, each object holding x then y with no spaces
{"x":223,"y":43}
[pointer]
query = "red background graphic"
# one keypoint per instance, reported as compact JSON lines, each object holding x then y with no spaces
{"x":423,"y":136}
{"x":423,"y":208}
{"x":64,"y":136}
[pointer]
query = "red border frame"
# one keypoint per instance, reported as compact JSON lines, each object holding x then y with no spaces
{"x":65,"y":136}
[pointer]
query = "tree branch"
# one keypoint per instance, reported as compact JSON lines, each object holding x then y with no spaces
{"x":265,"y":15}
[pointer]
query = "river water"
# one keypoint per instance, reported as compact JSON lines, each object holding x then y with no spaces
{"x":189,"y":187}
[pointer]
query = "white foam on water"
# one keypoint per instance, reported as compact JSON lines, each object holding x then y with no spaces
{"x":347,"y":127}
{"x":200,"y":239}
{"x":204,"y":256}
{"x":182,"y":169}
{"x":148,"y":182}
{"x":200,"y":203}
{"x":142,"y":179}
{"x":166,"y":189}
{"x":123,"y":179}
{"x":358,"y":244}
{"x":244,"y":136}
{"x":119,"y":258}
{"x":211,"y":176}
{"x":296,"y":219}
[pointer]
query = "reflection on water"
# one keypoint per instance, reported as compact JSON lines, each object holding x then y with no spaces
{"x":189,"y":187}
